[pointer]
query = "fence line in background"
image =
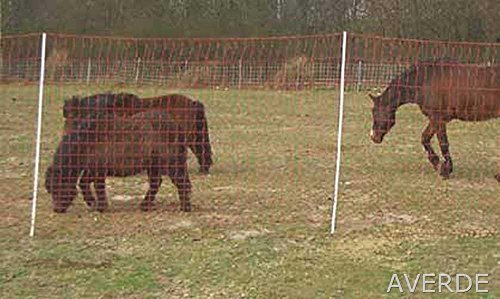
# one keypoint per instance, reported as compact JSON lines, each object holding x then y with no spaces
{"x":281,"y":63}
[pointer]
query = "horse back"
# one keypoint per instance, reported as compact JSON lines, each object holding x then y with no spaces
{"x":470,"y":93}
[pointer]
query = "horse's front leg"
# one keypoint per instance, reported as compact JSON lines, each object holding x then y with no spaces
{"x":154,"y":176}
{"x":84,"y":184}
{"x":447,"y":166}
{"x":427,"y":135}
{"x":100,"y":190}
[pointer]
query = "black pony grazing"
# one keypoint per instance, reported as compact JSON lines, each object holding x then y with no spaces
{"x":120,"y":146}
{"x":82,"y":108}
{"x":444,"y":90}
{"x":188,"y":113}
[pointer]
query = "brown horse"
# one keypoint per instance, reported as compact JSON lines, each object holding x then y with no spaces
{"x":444,"y":91}
{"x":188,"y":113}
{"x":120,"y":146}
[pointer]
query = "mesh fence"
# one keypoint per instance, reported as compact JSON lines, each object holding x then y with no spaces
{"x":121,"y":112}
{"x":132,"y":125}
{"x":267,"y":62}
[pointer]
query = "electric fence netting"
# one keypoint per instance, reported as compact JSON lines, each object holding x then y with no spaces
{"x":160,"y":134}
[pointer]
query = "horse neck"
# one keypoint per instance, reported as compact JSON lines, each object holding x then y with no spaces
{"x":69,"y":155}
{"x":395,"y":97}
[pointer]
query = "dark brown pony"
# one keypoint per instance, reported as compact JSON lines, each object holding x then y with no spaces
{"x":188,"y":113}
{"x":120,"y":146}
{"x":444,"y":90}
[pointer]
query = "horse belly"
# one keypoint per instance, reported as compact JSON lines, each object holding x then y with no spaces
{"x":478,"y":106}
{"x":123,"y":159}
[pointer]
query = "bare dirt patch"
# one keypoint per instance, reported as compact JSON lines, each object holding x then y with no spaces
{"x":246,"y":234}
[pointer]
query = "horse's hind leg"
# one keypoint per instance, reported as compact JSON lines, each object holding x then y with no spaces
{"x":447,"y":166}
{"x":426,"y":142}
{"x":85,"y":181}
{"x":100,"y":190}
{"x":154,"y":176}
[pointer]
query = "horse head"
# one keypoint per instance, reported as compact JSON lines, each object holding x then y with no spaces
{"x":62,"y":176}
{"x":62,"y":188}
{"x":383,"y":118}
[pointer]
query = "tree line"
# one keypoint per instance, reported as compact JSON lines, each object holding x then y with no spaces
{"x":462,"y":20}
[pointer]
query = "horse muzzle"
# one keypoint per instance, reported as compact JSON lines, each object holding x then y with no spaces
{"x":60,"y":210}
{"x":376,"y":137}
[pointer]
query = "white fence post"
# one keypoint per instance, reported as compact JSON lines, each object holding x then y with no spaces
{"x":89,"y":66}
{"x":38,"y":135}
{"x":137,"y":70}
{"x":339,"y":134}
{"x":360,"y":74}
{"x":240,"y":73}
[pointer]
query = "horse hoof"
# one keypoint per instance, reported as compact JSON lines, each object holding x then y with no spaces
{"x":445,"y":172}
{"x":445,"y":175}
{"x":435,"y":162}
{"x":186,"y":207}
{"x":90,"y":203}
{"x":60,"y":210}
{"x":101,"y":208}
{"x":498,"y":177}
{"x":204,"y":171}
{"x":146,"y":206}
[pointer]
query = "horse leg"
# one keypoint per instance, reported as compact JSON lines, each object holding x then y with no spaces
{"x":154,"y":177}
{"x":497,"y":176}
{"x":100,"y":190}
{"x":179,"y":175}
{"x":84,"y":184}
{"x":447,"y":166}
{"x":427,"y":135}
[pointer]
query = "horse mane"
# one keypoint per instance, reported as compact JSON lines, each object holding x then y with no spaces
{"x":420,"y":67}
{"x":404,"y":85}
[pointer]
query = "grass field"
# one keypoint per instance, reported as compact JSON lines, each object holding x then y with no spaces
{"x":260,"y":225}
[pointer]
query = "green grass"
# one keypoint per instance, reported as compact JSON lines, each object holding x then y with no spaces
{"x":260,"y":225}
